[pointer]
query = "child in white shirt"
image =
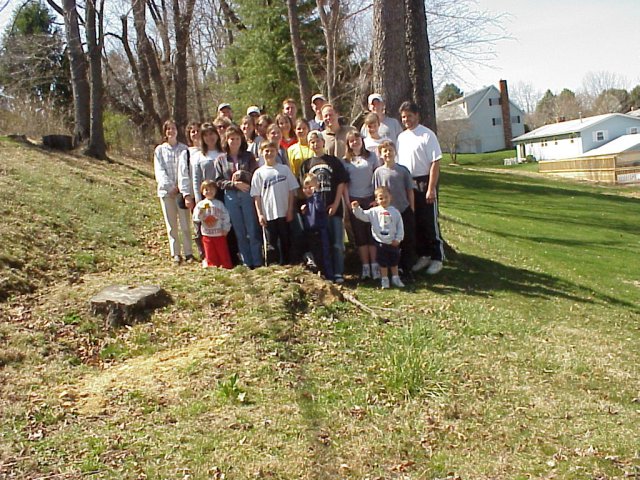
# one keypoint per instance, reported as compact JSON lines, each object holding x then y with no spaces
{"x":214,"y":226}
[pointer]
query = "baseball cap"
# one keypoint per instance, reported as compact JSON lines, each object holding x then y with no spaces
{"x":318,"y":96}
{"x":375,"y":96}
{"x":223,"y":105}
{"x":253,"y":109}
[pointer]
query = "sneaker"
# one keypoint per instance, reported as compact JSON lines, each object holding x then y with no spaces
{"x":177,"y":259}
{"x":384,"y":283}
{"x":189,"y":259}
{"x":396,"y":282}
{"x":205,"y":264}
{"x":421,"y":263}
{"x":435,"y":267}
{"x":366,"y":272}
{"x":375,"y":271}
{"x":338,"y":279}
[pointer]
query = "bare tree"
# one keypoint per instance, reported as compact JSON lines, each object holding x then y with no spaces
{"x":451,"y":134}
{"x":95,"y":41}
{"x":182,"y":22}
{"x":331,"y":23}
{"x":301,"y":67}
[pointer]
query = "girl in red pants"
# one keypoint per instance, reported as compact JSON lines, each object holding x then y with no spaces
{"x":215,"y":225}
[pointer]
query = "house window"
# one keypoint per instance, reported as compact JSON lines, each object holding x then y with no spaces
{"x":600,"y":135}
{"x":495,"y":101}
{"x":496,"y":121}
{"x":515,"y":119}
{"x":632,"y":130}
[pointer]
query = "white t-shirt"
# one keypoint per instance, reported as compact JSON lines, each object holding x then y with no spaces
{"x":418,"y":149}
{"x":273,"y":185}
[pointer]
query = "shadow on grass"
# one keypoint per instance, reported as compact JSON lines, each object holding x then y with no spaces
{"x":479,"y":276}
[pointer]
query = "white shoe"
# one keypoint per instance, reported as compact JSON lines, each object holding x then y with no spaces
{"x":366,"y":272}
{"x":396,"y":282}
{"x":205,"y":264}
{"x":435,"y":267}
{"x":384,"y":283}
{"x":421,"y":263}
{"x":375,"y":271}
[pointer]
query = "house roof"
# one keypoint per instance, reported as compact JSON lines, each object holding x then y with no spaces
{"x":624,"y":143}
{"x":634,"y":113}
{"x":455,"y":110}
{"x":563,"y":128}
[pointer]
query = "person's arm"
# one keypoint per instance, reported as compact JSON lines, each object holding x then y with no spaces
{"x":359,"y":213}
{"x":292,"y":200}
{"x":399,"y":236}
{"x":257,"y":200}
{"x":160,"y":170}
{"x":333,"y":208}
{"x":412,"y":199}
{"x":434,"y":174}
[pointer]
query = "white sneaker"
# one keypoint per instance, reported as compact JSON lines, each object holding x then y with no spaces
{"x":375,"y":271}
{"x":366,"y":272}
{"x":421,"y":263}
{"x":205,"y":264}
{"x":396,"y":282}
{"x":435,"y":267}
{"x":384,"y":283}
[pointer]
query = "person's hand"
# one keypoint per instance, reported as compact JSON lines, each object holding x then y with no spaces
{"x":243,"y":187}
{"x":289,"y":215}
{"x":174,"y":190}
{"x":355,"y":204}
{"x":395,"y":243}
{"x":210,"y":220}
{"x":261,"y":220}
{"x":189,"y":203}
{"x":332,"y":210}
{"x":430,"y":196}
{"x":303,"y":209}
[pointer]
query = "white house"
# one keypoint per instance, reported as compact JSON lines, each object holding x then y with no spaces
{"x":486,"y":125}
{"x":574,"y":138}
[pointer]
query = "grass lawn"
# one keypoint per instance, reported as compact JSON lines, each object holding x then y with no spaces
{"x":519,"y":360}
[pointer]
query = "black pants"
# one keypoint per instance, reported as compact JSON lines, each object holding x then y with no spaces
{"x":278,"y":241}
{"x":408,"y":244}
{"x":428,"y":240}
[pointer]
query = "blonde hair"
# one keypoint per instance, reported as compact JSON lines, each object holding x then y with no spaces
{"x":208,"y":184}
{"x":310,"y":178}
{"x":382,"y":189}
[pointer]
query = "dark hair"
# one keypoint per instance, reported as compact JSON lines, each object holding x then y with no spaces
{"x":388,"y":144}
{"x":266,"y":144}
{"x":208,"y":183}
{"x":408,"y":106}
{"x":205,"y":128}
{"x":187,"y":131}
{"x":234,"y":130}
{"x":350,"y":154}
{"x":286,"y":118}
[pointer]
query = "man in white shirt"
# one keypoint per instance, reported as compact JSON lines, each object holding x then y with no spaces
{"x":389,"y":128}
{"x":419,"y":151}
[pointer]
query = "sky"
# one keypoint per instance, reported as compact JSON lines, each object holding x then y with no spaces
{"x":553,"y":44}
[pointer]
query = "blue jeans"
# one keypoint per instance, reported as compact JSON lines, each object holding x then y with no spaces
{"x":245,"y":225}
{"x":336,"y":239}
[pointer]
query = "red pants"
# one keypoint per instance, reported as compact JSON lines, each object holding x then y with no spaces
{"x":216,"y":252}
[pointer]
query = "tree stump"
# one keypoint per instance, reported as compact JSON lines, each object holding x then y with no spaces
{"x":58,"y":142}
{"x":124,"y":305}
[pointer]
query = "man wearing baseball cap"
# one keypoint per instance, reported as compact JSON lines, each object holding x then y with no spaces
{"x":253,"y":111}
{"x":317,"y":102}
{"x":389,"y":127}
{"x":224,"y":110}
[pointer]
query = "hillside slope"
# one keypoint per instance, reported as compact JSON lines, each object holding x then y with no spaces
{"x":519,"y":361}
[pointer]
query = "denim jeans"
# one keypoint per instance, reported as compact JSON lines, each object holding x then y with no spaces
{"x":245,"y":224}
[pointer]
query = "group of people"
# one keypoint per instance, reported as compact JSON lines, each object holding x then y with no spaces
{"x":286,"y":190}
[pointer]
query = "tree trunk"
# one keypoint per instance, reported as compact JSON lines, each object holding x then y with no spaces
{"x":97,"y":147}
{"x":196,"y":83}
{"x":78,"y":64}
{"x":148,"y":56}
{"x":182,"y":22}
{"x":390,"y":65}
{"x":419,"y":61}
{"x":330,"y":26}
{"x":301,"y":70}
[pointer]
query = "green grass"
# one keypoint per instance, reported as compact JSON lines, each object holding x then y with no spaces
{"x":519,"y":360}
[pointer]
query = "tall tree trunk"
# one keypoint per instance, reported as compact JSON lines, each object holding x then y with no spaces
{"x":301,"y":70}
{"x":79,"y":81}
{"x":330,"y":26}
{"x":390,"y":65}
{"x":419,"y":61}
{"x":95,"y":36}
{"x":196,"y":82}
{"x":182,"y":22}
{"x":148,"y":55}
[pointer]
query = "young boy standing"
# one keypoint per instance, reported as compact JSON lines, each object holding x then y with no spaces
{"x":332,"y":180}
{"x":388,"y":232}
{"x":273,"y":189}
{"x":214,"y":221}
{"x":398,"y":179}
{"x":315,"y":220}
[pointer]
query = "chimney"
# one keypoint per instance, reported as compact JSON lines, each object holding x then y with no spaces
{"x":506,"y":114}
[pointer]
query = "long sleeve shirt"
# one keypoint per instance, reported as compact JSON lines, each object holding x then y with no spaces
{"x":386,"y":223}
